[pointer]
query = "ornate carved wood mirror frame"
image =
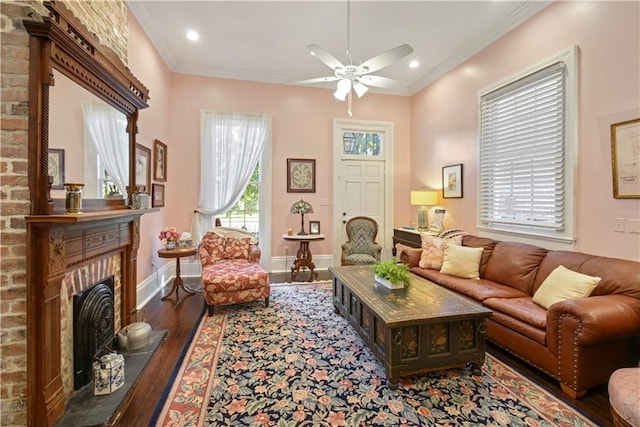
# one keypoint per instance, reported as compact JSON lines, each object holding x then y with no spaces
{"x":62,"y":42}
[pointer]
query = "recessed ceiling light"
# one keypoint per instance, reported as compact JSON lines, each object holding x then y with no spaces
{"x":414,"y":64}
{"x":192,"y":35}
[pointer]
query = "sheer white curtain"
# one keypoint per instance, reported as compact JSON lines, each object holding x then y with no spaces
{"x":231,"y":146}
{"x":106,"y":128}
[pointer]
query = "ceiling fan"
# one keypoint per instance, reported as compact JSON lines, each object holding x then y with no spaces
{"x":357,"y":77}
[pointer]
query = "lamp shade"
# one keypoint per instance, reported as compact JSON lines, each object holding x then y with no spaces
{"x":301,"y":207}
{"x":424,"y":198}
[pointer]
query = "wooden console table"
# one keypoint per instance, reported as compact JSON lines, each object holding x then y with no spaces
{"x":407,"y":237}
{"x":304,"y":258}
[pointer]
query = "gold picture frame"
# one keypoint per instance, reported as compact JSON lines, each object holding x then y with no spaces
{"x":159,"y":161}
{"x":625,"y":159}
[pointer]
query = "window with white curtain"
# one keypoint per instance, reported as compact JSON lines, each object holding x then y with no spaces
{"x":527,"y":152}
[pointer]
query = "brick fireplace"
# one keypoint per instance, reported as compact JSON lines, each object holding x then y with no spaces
{"x":76,"y":281}
{"x":68,"y":252}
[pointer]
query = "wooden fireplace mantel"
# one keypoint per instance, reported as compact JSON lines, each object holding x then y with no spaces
{"x":57,"y":243}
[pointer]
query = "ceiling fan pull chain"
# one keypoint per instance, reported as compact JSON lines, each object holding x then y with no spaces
{"x":349,"y":32}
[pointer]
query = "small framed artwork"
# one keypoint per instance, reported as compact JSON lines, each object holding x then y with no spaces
{"x":437,"y":222}
{"x":143,"y":167}
{"x":625,"y":159}
{"x":301,"y":175}
{"x":314,"y":227}
{"x":157,"y":196}
{"x":56,"y":168}
{"x":452,"y":182}
{"x":159,"y":161}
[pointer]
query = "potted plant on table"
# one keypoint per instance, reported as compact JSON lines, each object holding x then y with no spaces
{"x":392,"y":274}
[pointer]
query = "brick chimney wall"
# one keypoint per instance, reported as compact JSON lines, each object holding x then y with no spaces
{"x":107,"y":19}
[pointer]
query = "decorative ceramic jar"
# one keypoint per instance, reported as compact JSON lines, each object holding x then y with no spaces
{"x":108,"y":374}
{"x":171,"y":245}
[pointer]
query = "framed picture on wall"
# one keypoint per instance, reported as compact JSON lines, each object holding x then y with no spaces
{"x":56,"y":168}
{"x":143,"y":167}
{"x":301,"y":175}
{"x":159,"y":161}
{"x":452,"y":182}
{"x":157,"y":196}
{"x":625,"y":159}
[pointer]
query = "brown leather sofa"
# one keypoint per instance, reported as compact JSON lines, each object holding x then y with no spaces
{"x":579,"y":342}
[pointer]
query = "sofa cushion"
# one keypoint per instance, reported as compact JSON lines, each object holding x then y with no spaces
{"x":233,"y":275}
{"x":480,"y":242}
{"x":461,"y":261}
{"x":619,"y":276}
{"x":553,"y":259}
{"x":522,"y":308}
{"x":478,"y":290}
{"x":563,"y":284}
{"x":515,"y":264}
{"x":521,"y":328}
{"x":433,"y":250}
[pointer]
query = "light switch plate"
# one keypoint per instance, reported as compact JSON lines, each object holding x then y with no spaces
{"x":633,"y":225}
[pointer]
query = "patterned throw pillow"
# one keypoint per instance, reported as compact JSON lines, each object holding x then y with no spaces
{"x":237,"y":248}
{"x":212,"y":249}
{"x":433,"y":250}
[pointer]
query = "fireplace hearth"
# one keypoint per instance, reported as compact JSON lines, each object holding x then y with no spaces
{"x":93,"y":328}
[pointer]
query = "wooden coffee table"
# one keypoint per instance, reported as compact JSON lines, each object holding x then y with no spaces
{"x":419,"y":329}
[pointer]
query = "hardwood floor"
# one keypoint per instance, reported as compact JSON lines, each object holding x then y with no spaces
{"x":180,"y":320}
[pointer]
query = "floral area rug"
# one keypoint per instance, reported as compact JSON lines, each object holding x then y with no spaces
{"x":297,"y":363}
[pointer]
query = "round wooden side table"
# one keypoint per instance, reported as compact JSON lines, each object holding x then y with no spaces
{"x":304,"y":258}
{"x":177,"y":282}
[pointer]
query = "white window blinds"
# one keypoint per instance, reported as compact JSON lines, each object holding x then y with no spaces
{"x":522,"y":153}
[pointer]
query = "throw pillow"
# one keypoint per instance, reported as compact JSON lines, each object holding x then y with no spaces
{"x":462,"y":261}
{"x":433,"y":250}
{"x":212,"y":249}
{"x":563,"y":284}
{"x":237,"y":248}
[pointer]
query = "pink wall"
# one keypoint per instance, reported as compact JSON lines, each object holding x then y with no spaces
{"x":153,"y":123}
{"x":302,"y":127}
{"x":444,"y":115}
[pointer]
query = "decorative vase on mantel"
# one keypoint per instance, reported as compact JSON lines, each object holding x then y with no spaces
{"x":170,"y":245}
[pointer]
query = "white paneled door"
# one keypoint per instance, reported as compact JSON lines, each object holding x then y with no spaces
{"x":363,"y":182}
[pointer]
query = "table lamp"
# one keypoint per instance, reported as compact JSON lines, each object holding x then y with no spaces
{"x":301,"y":207}
{"x":423,"y":198}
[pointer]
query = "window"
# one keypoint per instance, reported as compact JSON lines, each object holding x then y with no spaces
{"x":362,"y":143}
{"x":527,"y":147}
{"x":245,"y":214}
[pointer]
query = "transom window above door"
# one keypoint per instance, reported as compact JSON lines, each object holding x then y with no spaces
{"x":362,"y":143}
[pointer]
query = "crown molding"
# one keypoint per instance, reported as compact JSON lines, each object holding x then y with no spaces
{"x":520,"y":15}
{"x":140,"y":12}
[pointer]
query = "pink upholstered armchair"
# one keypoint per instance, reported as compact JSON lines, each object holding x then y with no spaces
{"x":231,"y":272}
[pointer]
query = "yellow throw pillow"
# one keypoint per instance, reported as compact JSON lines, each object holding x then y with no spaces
{"x":563,"y":284}
{"x":462,"y":261}
{"x":433,"y":250}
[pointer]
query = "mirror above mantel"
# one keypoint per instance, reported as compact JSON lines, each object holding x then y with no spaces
{"x":62,"y":48}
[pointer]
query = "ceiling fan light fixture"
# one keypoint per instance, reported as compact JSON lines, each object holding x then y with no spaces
{"x":341,"y":96}
{"x":360,"y":89}
{"x":344,"y":85}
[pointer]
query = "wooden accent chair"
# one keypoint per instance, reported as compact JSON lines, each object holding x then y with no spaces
{"x":361,"y":246}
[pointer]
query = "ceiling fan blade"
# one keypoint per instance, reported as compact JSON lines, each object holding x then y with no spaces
{"x":316,"y":80}
{"x":386,"y":58}
{"x":324,"y":56}
{"x":383,"y":82}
